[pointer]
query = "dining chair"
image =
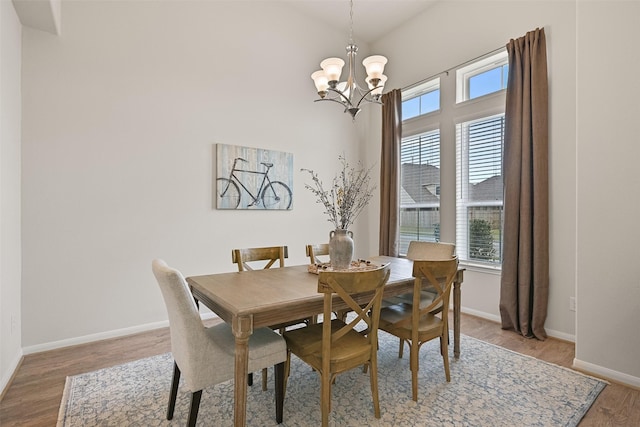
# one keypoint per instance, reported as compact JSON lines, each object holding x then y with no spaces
{"x":205,"y":355}
{"x":419,"y":250}
{"x":313,"y":251}
{"x":415,"y":324}
{"x":246,"y":258}
{"x":249,"y":259}
{"x":333,"y":346}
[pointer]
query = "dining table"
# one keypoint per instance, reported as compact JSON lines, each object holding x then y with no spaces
{"x":248,"y":300}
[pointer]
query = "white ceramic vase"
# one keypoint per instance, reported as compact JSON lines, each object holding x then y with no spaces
{"x":340,"y":248}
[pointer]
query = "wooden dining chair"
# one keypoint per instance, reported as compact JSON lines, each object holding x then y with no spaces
{"x":419,"y":250}
{"x":248,"y":259}
{"x":205,"y":356}
{"x":416,"y":325}
{"x":313,"y":251}
{"x":333,"y":346}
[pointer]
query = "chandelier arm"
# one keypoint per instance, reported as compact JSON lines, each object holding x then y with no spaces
{"x":368,"y":100}
{"x":334,"y":100}
{"x":346,"y":100}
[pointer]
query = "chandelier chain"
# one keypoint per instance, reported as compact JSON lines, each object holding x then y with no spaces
{"x":351,"y":22}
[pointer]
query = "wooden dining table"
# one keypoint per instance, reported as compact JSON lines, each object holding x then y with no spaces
{"x":252,"y":299}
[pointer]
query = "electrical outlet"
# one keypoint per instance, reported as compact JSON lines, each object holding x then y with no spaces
{"x":572,"y":303}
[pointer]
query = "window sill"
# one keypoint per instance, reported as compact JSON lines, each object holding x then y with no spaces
{"x":481,"y":268}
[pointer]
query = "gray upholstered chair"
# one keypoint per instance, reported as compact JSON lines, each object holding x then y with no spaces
{"x":205,"y":356}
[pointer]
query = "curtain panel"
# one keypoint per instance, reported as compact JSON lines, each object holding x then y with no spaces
{"x":524,"y":287}
{"x":389,"y":172}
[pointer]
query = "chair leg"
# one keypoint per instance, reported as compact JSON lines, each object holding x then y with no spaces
{"x":373,"y":376}
{"x":325,"y":397}
{"x":174,"y":391}
{"x":264,"y":379}
{"x":195,"y":405}
{"x":250,"y":379}
{"x":414,"y":349}
{"x":279,"y":375}
{"x":401,"y":349}
{"x":445,"y":356}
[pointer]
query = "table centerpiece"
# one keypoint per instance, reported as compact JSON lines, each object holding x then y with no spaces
{"x":349,"y":194}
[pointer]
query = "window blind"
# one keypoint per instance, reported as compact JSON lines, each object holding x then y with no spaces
{"x":479,"y":146}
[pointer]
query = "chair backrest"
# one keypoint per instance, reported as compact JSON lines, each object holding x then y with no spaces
{"x":271,"y":254}
{"x":346,"y":284}
{"x":430,"y":250}
{"x":313,"y":251}
{"x":438,"y":276}
{"x":188,"y":334}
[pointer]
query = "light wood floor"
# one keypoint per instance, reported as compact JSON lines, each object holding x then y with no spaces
{"x":34,"y":396}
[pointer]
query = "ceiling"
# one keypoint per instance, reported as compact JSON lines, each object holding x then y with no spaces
{"x":372,"y":19}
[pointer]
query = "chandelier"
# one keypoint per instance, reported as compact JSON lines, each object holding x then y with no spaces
{"x":349,"y":93}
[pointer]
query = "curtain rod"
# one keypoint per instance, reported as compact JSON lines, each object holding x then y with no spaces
{"x":411,"y":86}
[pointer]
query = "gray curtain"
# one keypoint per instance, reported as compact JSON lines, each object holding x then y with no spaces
{"x":389,"y":172}
{"x":524,"y":284}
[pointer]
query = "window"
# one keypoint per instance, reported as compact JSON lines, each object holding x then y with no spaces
{"x":420,"y":194}
{"x":479,"y":189}
{"x":423,"y":99}
{"x":466,"y":128}
{"x":482,"y":77}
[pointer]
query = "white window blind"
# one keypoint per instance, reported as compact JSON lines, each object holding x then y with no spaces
{"x":479,"y":146}
{"x":420,"y":189}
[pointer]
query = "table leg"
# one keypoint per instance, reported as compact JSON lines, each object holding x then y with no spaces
{"x":457,"y":296}
{"x":242,"y":329}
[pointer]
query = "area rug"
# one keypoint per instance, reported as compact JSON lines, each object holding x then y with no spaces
{"x":490,"y":386}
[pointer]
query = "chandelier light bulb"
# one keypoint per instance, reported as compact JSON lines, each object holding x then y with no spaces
{"x":374,"y":65}
{"x":333,"y":69}
{"x":321,"y":81}
{"x":377,"y":90}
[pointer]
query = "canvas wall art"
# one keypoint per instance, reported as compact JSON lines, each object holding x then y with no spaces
{"x":253,"y":178}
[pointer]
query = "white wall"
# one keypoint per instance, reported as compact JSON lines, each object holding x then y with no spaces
{"x":451,"y":33}
{"x":608,"y":272}
{"x":121,"y":114}
{"x":10,"y":106}
{"x":592,"y":152}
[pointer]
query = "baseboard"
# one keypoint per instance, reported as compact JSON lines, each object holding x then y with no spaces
{"x":561,"y":335}
{"x":7,"y":379}
{"x":103,"y":335}
{"x":607,"y":374}
{"x":550,"y":332}
{"x":480,"y":314}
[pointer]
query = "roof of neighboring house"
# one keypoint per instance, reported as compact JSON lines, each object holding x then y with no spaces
{"x":420,"y":185}
{"x":488,"y":190}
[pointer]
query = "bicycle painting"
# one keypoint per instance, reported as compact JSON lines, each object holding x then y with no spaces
{"x":251,"y":178}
